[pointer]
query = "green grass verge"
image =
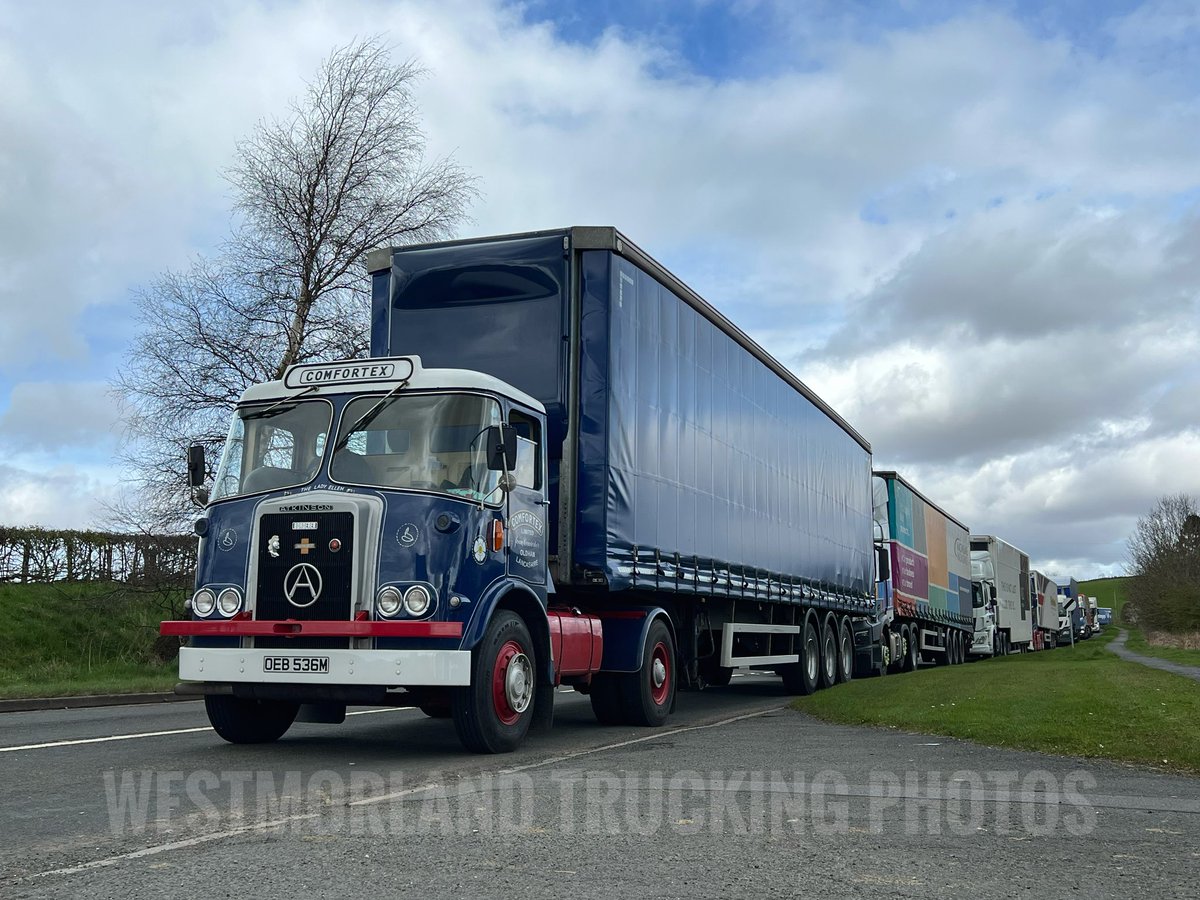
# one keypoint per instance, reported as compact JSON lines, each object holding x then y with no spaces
{"x":1077,"y":701}
{"x":1112,"y":592}
{"x":61,"y":639}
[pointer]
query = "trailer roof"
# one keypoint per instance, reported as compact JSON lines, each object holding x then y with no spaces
{"x":605,"y":237}
{"x":887,"y":473}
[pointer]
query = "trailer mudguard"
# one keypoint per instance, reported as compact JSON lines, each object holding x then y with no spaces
{"x":625,"y":632}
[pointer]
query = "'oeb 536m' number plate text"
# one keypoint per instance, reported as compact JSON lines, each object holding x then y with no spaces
{"x":313,"y":665}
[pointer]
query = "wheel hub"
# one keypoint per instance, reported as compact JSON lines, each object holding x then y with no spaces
{"x":517,"y":683}
{"x":658,"y":672}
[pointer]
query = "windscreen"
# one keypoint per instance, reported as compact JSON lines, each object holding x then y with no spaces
{"x":431,"y":442}
{"x":272,"y":446}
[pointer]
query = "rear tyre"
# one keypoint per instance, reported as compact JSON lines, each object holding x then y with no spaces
{"x":829,"y":654}
{"x":243,"y":721}
{"x":649,"y":692}
{"x":959,"y":655}
{"x":802,"y":677}
{"x":845,"y":651}
{"x":493,"y":713}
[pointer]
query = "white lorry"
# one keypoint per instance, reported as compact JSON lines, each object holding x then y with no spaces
{"x":1003,"y":572}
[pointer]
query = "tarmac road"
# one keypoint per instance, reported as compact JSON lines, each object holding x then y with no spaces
{"x":735,"y":797}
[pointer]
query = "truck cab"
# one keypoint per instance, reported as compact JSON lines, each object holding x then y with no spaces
{"x":376,"y":533}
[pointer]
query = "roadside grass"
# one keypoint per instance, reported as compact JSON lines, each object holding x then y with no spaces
{"x":68,"y":639}
{"x":1075,"y":701}
{"x":1112,"y":592}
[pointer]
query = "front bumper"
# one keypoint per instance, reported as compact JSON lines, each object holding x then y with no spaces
{"x":386,"y":668}
{"x":981,"y":643}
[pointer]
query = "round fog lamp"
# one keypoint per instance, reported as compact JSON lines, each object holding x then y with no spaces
{"x":389,"y":601}
{"x":229,"y":602}
{"x":416,"y":601}
{"x":204,"y":602}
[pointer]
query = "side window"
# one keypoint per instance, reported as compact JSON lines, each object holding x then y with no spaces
{"x":529,"y":464}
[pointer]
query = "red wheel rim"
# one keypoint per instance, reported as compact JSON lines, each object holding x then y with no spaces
{"x":660,"y":665}
{"x":512,"y":682}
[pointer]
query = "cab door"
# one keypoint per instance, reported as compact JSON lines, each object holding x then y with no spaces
{"x":527,"y":504}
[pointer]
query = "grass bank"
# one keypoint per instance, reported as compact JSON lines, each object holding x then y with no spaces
{"x":1077,"y":701}
{"x":1113,"y":592}
{"x":68,"y":639}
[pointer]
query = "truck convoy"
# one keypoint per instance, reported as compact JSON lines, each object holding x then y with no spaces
{"x":560,"y":466}
{"x":1003,"y":572}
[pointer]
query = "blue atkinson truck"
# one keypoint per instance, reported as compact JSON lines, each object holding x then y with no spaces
{"x":925,"y":592}
{"x":560,"y":466}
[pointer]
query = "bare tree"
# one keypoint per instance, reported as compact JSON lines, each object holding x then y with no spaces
{"x":344,"y":172}
{"x":1164,"y":555}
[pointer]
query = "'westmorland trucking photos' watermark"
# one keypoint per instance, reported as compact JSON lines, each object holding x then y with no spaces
{"x":1035,"y":803}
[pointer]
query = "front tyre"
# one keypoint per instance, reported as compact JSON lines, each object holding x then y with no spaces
{"x":244,"y":721}
{"x":492,"y":715}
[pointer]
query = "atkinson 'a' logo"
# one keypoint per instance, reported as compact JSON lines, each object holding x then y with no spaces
{"x":302,"y":585}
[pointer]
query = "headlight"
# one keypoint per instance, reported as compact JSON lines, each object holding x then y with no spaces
{"x":204,"y":602}
{"x":389,"y":601}
{"x":416,"y":600}
{"x":229,"y":601}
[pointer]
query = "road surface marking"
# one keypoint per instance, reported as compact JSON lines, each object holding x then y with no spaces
{"x":299,"y":817}
{"x":149,"y":734}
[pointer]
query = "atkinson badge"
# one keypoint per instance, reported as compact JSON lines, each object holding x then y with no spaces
{"x":302,"y":585}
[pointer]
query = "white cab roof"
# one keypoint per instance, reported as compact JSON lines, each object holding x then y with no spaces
{"x":380,"y":376}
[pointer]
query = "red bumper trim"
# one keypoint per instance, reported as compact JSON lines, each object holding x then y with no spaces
{"x":312,"y":628}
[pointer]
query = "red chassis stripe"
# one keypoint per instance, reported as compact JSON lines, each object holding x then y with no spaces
{"x":314,"y":628}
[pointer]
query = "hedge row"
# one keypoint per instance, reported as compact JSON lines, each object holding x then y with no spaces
{"x":46,"y":555}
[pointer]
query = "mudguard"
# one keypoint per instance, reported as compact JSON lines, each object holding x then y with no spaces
{"x":517,"y":596}
{"x":625,"y":632}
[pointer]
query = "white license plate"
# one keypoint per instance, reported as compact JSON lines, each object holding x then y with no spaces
{"x":310,"y":665}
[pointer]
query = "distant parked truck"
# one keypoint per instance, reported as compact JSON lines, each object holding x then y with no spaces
{"x":1104,"y":615}
{"x":1003,"y":570}
{"x":1093,"y":615}
{"x":1044,"y":596}
{"x":1068,"y":594}
{"x":924,"y":594}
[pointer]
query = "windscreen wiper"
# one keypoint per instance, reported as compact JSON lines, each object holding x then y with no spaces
{"x":369,"y":416}
{"x":277,"y":407}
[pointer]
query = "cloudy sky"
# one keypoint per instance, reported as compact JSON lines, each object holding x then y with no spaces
{"x":973,"y":229}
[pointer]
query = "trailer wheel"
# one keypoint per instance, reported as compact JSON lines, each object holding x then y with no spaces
{"x":803,"y":677}
{"x":845,"y":651}
{"x":914,"y":651}
{"x":959,"y":656}
{"x":244,"y":721}
{"x":829,"y":655}
{"x":650,"y":691}
{"x":492,"y":715}
{"x":605,"y":694}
